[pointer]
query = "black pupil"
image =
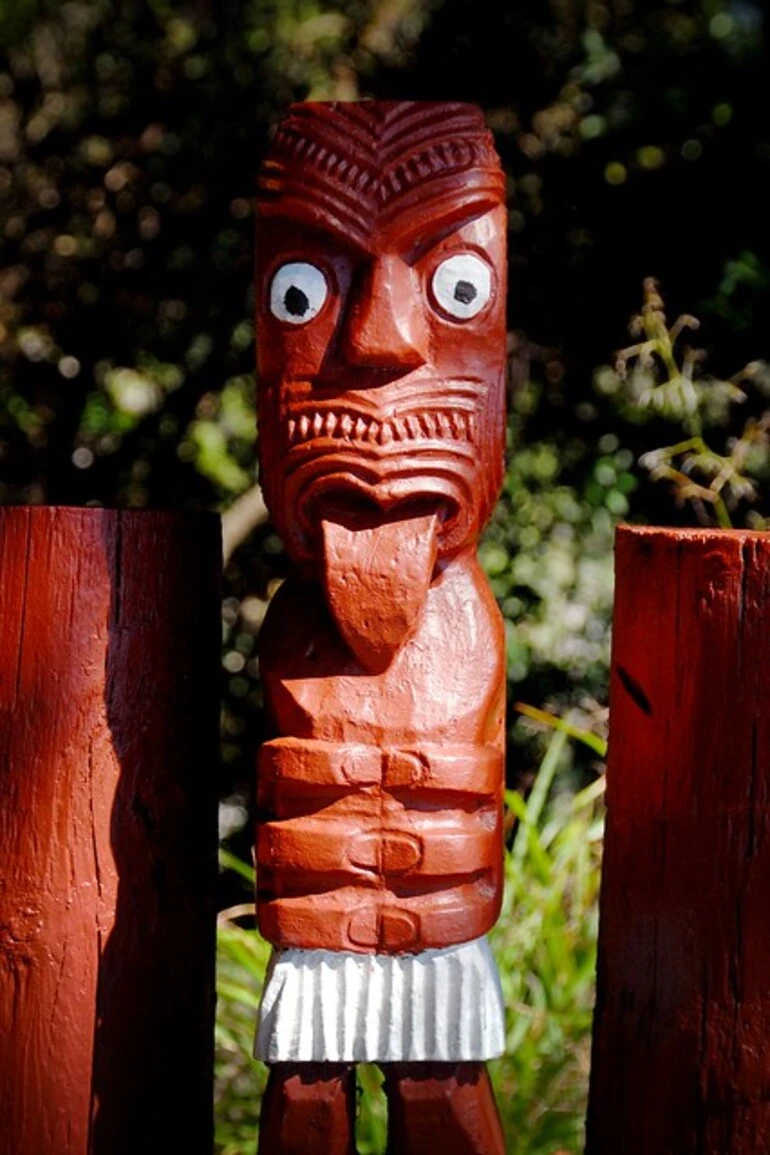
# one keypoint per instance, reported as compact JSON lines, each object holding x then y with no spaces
{"x":465,"y":292}
{"x":296,"y":302}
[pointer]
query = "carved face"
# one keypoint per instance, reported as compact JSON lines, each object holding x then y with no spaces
{"x":381,"y":320}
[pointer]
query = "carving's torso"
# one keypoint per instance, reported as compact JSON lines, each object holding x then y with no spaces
{"x":381,"y":800}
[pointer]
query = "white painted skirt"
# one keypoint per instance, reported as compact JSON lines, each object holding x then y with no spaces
{"x":339,"y":1007}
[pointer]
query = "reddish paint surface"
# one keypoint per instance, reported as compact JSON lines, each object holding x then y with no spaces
{"x":310,"y":1108}
{"x":381,"y":415}
{"x":108,"y":741}
{"x":382,"y":423}
{"x":375,"y":196}
{"x":683,"y":1007}
{"x":442,"y":1107}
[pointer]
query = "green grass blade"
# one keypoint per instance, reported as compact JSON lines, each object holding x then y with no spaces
{"x":228,"y":861}
{"x":546,"y":718}
{"x":538,"y":795}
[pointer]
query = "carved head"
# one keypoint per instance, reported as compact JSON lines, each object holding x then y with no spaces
{"x":381,"y":322}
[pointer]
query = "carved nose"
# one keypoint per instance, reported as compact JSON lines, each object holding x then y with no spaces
{"x":386,"y":326}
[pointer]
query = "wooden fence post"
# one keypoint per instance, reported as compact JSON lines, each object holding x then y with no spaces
{"x":680,"y":1061}
{"x":109,"y":626}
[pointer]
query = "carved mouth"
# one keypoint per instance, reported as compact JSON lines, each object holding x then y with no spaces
{"x":385,"y":449}
{"x":364,"y":429}
{"x":313,"y":488}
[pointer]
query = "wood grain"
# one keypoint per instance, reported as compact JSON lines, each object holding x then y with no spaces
{"x":108,"y":740}
{"x":683,"y":1005}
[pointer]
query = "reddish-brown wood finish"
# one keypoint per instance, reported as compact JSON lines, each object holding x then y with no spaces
{"x":380,"y":304}
{"x":381,"y":442}
{"x":444,"y":1107}
{"x":309,"y":1109}
{"x":108,"y":745}
{"x":680,"y":1061}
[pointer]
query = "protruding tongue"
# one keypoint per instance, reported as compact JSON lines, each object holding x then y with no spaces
{"x":376,"y":577}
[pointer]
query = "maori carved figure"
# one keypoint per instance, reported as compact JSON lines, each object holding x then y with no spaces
{"x":381,"y":355}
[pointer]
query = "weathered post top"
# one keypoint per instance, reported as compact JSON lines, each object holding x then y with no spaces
{"x":381,"y":356}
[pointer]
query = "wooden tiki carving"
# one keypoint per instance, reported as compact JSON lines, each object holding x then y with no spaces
{"x":381,"y":357}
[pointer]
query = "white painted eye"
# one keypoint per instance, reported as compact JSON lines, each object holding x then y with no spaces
{"x":462,"y":285}
{"x":297,"y":292}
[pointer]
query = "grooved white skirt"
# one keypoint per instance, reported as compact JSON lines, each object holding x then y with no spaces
{"x":337,"y":1006}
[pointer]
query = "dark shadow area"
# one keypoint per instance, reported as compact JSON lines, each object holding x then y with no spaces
{"x":153,"y":1056}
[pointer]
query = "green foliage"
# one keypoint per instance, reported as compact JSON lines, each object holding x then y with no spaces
{"x":547,"y":551}
{"x":240,"y":1081}
{"x":129,"y":138}
{"x":545,"y":945}
{"x":664,"y":382}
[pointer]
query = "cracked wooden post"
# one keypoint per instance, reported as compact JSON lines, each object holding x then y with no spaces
{"x":680,"y":1063}
{"x":381,"y":351}
{"x":109,"y":628}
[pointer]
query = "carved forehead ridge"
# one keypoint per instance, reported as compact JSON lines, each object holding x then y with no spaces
{"x":361,"y":168}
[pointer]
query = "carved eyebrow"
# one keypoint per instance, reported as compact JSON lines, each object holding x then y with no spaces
{"x":416,"y":242}
{"x":409,"y":236}
{"x":303,"y":218}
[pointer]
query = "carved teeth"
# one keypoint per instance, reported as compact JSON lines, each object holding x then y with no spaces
{"x":446,"y":426}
